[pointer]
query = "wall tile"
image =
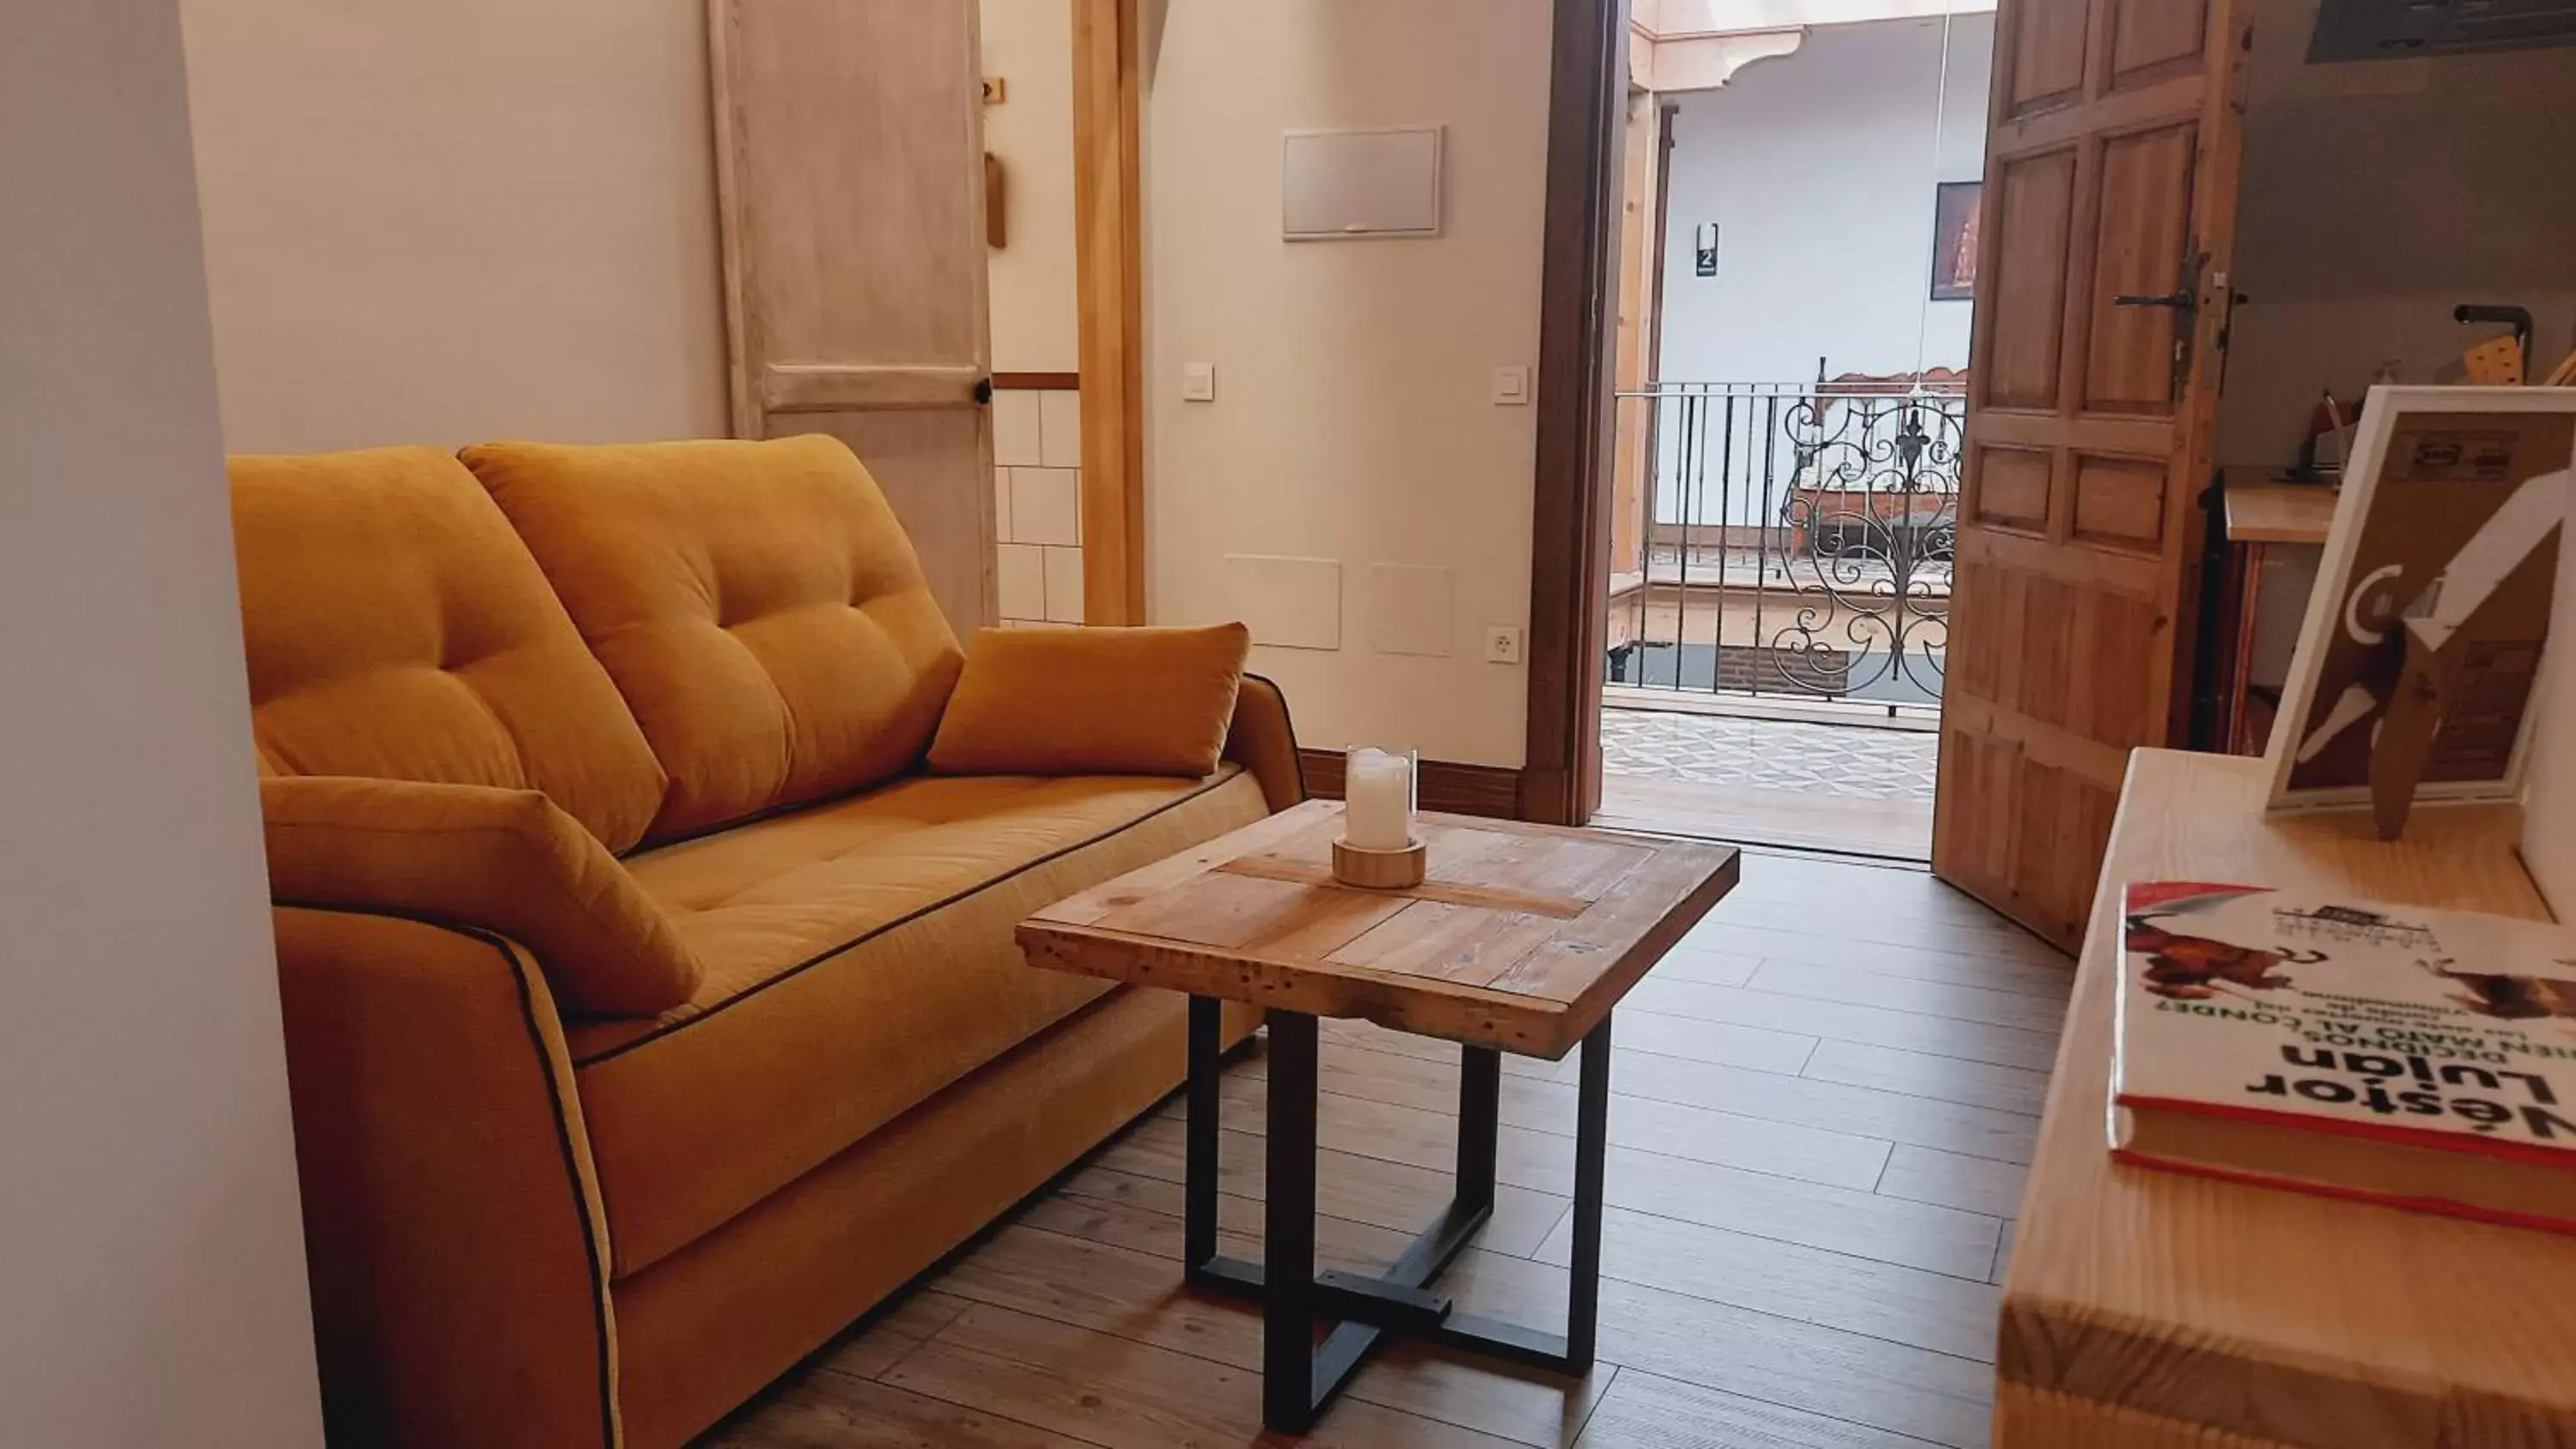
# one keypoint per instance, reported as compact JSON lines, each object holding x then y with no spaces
{"x":1022,"y":570}
{"x":1064,"y":585}
{"x":1002,"y":507}
{"x":1046,"y":506}
{"x":1016,"y":428}
{"x":1060,"y":432}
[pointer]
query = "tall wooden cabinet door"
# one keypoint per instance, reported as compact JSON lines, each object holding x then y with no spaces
{"x":850,"y":173}
{"x":2109,"y":217}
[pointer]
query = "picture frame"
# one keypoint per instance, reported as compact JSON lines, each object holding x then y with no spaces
{"x":2417,"y":672}
{"x":1956,"y":207}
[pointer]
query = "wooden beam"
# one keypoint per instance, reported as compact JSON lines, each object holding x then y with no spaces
{"x":1570,"y":553}
{"x":1110,"y":277}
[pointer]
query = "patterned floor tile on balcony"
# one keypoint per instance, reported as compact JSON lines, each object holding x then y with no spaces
{"x":1856,"y":762}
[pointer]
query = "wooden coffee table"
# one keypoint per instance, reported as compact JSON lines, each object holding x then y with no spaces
{"x":1521,"y":939}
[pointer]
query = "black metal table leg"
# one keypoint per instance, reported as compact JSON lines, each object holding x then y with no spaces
{"x":1288,"y":1257}
{"x":1300,"y":1377}
{"x":1199,"y":1175}
{"x":1591,"y":1160}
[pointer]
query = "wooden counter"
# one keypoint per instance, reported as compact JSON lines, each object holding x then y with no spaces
{"x":2149,"y":1309}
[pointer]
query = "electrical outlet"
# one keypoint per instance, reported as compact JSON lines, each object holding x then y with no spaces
{"x":1502,"y":644}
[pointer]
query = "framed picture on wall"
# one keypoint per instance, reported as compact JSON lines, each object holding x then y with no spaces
{"x":1954,"y":240}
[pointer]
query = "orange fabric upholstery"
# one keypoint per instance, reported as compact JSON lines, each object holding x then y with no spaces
{"x":452,"y":1224}
{"x":1092,"y":701}
{"x":757,"y":604}
{"x":1262,"y":739}
{"x":705,"y":1329}
{"x":397,"y":628}
{"x":505,"y":860}
{"x":859,"y":958}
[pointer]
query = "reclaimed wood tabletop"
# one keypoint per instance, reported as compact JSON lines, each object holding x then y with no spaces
{"x":1520,"y":937}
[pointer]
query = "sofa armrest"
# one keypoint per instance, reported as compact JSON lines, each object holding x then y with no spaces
{"x":1263,"y":740}
{"x":453,"y":1224}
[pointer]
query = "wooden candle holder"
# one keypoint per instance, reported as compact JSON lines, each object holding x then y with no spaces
{"x":1379,"y":870}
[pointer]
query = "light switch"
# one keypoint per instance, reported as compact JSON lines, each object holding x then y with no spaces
{"x":1198,"y":382}
{"x":1511,"y":386}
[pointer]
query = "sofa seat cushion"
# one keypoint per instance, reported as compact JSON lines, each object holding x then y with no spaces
{"x":757,"y":603}
{"x":858,"y":957}
{"x":395,"y":627}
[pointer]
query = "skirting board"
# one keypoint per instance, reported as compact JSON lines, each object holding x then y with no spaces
{"x":1454,"y":789}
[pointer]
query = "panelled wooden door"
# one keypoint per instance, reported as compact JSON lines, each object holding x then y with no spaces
{"x":849,"y":156}
{"x":2108,"y":222}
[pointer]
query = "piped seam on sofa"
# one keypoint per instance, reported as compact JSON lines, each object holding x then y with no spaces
{"x":1205,"y":787}
{"x":520,"y":967}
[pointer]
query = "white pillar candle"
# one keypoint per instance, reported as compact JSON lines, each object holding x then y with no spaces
{"x":1377,"y":789}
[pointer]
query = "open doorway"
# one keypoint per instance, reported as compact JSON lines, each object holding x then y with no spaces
{"x":1799,"y":261}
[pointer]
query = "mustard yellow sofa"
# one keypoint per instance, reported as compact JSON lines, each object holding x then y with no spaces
{"x":651,"y":1013}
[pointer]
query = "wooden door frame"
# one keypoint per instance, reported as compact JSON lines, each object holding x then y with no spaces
{"x":1109,"y":228}
{"x":1578,"y":326}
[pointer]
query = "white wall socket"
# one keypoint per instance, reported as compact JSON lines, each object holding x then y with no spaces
{"x":1511,"y":387}
{"x":1198,"y":382}
{"x":1502,"y":643}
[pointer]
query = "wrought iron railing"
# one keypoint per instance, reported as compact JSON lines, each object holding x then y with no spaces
{"x":1787,"y":539}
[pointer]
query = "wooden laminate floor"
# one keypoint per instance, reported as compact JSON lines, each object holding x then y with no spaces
{"x":1822,"y":1107}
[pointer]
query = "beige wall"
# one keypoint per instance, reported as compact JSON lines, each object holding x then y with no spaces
{"x":154,"y":1288}
{"x":457,"y":221}
{"x":1354,"y":426}
{"x":2377,"y":196}
{"x":1029,"y":44}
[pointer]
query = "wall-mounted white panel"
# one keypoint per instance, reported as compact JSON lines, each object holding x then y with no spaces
{"x":1290,"y":603}
{"x":1411,"y":609}
{"x":1345,"y":185}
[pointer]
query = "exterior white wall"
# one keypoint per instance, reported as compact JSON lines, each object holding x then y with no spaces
{"x":2377,"y":197}
{"x":1029,"y":44}
{"x":1819,"y":169}
{"x":153,"y":1289}
{"x":1354,"y":428}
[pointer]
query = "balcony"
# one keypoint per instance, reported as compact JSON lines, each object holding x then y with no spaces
{"x":1779,"y":608}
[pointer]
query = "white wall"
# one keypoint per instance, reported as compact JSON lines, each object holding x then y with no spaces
{"x":1354,"y":424}
{"x":2378,"y":196}
{"x":458,"y":221}
{"x":1029,"y":44}
{"x":152,"y":1291}
{"x":1819,"y":169}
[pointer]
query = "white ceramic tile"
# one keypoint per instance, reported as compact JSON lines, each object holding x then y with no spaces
{"x":1064,"y":585}
{"x":1410,"y":608}
{"x":1002,"y":507}
{"x":1015,"y":430}
{"x":1046,"y":506}
{"x":1060,"y":432}
{"x":1022,"y":568}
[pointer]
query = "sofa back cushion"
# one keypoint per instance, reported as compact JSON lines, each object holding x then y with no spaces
{"x":397,"y":628}
{"x":757,"y":604}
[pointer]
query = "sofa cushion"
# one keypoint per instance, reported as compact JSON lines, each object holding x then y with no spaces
{"x":506,"y":860}
{"x":396,"y":627}
{"x":757,"y":604}
{"x":1092,"y":701}
{"x":859,"y":958}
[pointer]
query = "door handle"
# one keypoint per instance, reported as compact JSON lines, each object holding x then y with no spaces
{"x":983,"y":390}
{"x":2179,"y":301}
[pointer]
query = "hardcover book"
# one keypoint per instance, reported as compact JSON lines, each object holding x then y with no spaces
{"x":2425,"y":1059}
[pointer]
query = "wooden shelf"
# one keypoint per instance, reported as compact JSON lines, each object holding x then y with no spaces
{"x":2279,"y":512}
{"x":2148,"y":1308}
